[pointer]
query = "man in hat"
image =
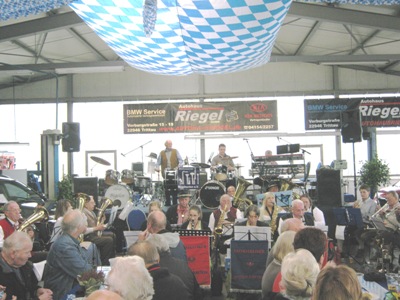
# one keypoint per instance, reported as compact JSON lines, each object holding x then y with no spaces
{"x":179,"y":213}
{"x":169,"y":159}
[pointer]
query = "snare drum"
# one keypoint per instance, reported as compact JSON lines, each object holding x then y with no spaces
{"x":119,"y":192}
{"x":112,"y":177}
{"x":127,"y":176}
{"x":210,"y":193}
{"x":221,"y":173}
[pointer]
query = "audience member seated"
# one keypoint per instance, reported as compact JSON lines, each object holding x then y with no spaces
{"x":166,"y":285}
{"x":106,"y":295}
{"x":319,"y":218}
{"x":291,"y":224}
{"x":311,"y":239}
{"x":106,"y":241}
{"x":252,"y":214}
{"x":153,"y":206}
{"x":299,"y":275}
{"x":66,"y":259}
{"x":176,"y":266}
{"x":283,"y":246}
{"x":298,"y":213}
{"x":156,"y":223}
{"x":195,"y":220}
{"x":179,"y":213}
{"x":338,"y":283}
{"x":16,"y":272}
{"x":130,"y":279}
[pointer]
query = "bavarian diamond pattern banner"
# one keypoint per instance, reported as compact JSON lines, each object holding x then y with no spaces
{"x":200,"y":117}
{"x":189,"y":36}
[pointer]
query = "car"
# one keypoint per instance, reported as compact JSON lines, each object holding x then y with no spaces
{"x":26,"y":197}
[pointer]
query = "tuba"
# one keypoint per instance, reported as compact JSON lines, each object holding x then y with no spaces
{"x":106,"y":203}
{"x":81,"y":197}
{"x":238,"y":201}
{"x":39,"y":214}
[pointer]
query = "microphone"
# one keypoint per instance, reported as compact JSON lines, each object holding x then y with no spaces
{"x":209,"y":159}
{"x":245,"y":139}
{"x":123,"y":154}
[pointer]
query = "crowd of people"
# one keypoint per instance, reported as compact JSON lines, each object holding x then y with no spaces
{"x":156,"y":266}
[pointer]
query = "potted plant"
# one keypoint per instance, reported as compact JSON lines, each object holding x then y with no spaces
{"x":374,"y":173}
{"x":65,"y":189}
{"x":91,"y":281}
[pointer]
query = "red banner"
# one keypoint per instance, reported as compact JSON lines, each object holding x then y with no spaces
{"x":198,"y":256}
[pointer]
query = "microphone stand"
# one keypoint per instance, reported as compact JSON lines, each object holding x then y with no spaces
{"x":141,"y":146}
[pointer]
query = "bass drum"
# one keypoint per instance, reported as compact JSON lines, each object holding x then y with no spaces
{"x":210,"y":193}
{"x":119,"y":192}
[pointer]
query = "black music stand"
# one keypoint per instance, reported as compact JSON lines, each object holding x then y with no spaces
{"x":348,"y":216}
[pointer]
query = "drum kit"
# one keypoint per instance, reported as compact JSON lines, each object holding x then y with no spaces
{"x":125,"y":186}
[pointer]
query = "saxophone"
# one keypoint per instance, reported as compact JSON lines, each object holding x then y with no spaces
{"x":274,"y":217}
{"x":218,"y":228}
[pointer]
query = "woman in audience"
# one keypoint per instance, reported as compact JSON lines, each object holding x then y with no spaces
{"x":63,"y":205}
{"x":283,"y":246}
{"x":195,"y":220}
{"x":338,"y":283}
{"x":299,"y":275}
{"x":130,"y":279}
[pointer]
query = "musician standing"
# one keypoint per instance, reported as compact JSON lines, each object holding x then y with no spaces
{"x":222,"y":159}
{"x":169,"y":159}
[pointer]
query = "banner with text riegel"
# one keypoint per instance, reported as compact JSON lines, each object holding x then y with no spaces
{"x":375,"y":112}
{"x":200,"y":117}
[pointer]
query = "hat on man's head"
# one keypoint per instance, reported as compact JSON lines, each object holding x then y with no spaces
{"x":184,"y":194}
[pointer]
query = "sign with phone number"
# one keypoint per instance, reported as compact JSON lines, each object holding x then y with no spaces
{"x":200,"y":117}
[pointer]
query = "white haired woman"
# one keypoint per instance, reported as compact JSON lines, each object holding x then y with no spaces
{"x":299,"y":275}
{"x":128,"y":270}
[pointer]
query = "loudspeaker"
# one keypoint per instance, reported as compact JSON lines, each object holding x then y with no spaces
{"x":366,"y":134}
{"x":328,"y":188}
{"x":137,"y":168}
{"x":87,"y":185}
{"x":350,"y":121}
{"x":71,"y":140}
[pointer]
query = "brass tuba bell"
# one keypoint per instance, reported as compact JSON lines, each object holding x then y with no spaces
{"x":106,"y":203}
{"x":241,"y":188}
{"x":39,"y":214}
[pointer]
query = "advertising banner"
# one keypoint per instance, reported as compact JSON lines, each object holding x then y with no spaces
{"x":200,"y":117}
{"x":375,"y":112}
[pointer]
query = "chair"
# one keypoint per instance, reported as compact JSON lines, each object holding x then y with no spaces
{"x":135,"y":219}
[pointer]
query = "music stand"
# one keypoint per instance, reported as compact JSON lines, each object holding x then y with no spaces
{"x":348,"y":216}
{"x":253,"y":233}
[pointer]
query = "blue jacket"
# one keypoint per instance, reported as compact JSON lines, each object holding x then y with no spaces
{"x":65,"y":261}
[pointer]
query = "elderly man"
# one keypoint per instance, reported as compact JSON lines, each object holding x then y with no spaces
{"x":156,"y":223}
{"x":166,"y":285}
{"x":66,"y":259}
{"x":10,"y":223}
{"x":16,"y":272}
{"x":169,"y":159}
{"x":179,"y":213}
{"x":228,"y":212}
{"x":298,"y":213}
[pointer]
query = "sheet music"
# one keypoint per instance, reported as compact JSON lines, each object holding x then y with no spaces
{"x":256,"y":233}
{"x":38,"y":269}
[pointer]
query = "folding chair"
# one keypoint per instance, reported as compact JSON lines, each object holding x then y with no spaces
{"x":135,"y":219}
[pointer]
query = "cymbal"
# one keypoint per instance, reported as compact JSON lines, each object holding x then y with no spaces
{"x":100,"y":160}
{"x":229,"y":157}
{"x":238,"y":166}
{"x":201,"y":165}
{"x":233,"y":157}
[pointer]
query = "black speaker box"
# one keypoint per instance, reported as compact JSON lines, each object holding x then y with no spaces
{"x":329,"y":188}
{"x":87,"y":185}
{"x":351,"y":126}
{"x":71,"y":140}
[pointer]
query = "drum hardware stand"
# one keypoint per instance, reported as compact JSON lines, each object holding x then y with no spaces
{"x":141,"y":147}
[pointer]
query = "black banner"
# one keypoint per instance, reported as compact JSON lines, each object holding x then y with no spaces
{"x":375,"y":112}
{"x":200,"y":117}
